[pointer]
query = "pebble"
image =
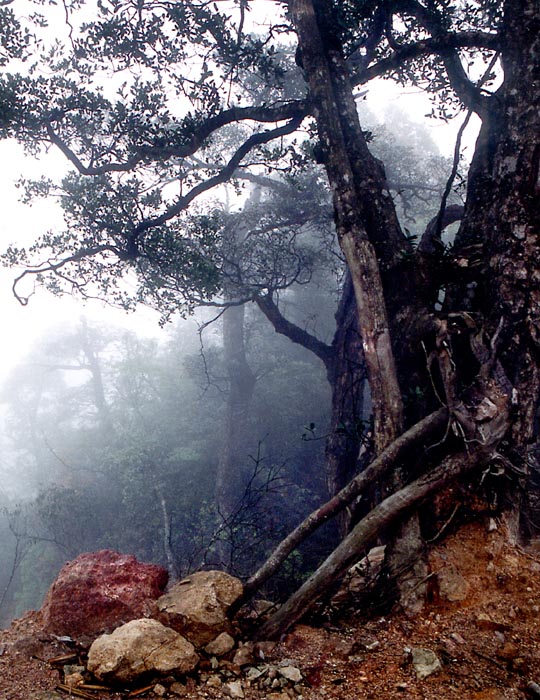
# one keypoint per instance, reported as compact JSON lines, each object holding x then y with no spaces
{"x":234,"y":689}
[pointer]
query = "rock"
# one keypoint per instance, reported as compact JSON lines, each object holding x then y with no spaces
{"x":244,"y":655}
{"x":178,"y":689}
{"x":534,"y":689}
{"x":159,"y":690}
{"x":96,"y":592}
{"x":291,"y":673}
{"x":452,"y":586}
{"x":485,"y":622}
{"x":233,"y":689}
{"x":221,"y":645}
{"x":509,"y":651}
{"x":138,"y":648}
{"x":253,"y":673}
{"x":457,"y":638}
{"x":214,"y":681}
{"x":425,"y":662}
{"x":197,"y":606}
{"x":262,"y":650}
{"x":73,"y":679}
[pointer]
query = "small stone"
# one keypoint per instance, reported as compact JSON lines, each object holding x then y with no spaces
{"x":244,"y":655}
{"x":178,"y":689}
{"x":74,"y":679}
{"x":457,"y":638}
{"x":452,"y":586}
{"x":485,"y":622}
{"x":160,"y":690}
{"x":234,"y":689}
{"x":262,"y":650}
{"x":291,"y":673}
{"x":221,"y":645}
{"x":425,"y":662}
{"x":252,"y":674}
{"x":214,"y":681}
{"x":72,"y":668}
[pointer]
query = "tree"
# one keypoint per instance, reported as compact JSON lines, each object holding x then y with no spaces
{"x":477,"y":355}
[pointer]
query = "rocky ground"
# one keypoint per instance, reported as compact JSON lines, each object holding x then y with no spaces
{"x":481,"y":632}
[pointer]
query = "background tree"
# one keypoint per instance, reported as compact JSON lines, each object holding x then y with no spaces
{"x":476,"y":355}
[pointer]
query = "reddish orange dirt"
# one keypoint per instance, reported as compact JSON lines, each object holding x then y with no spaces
{"x":483,"y":624}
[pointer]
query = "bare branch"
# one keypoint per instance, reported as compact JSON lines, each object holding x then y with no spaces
{"x":362,"y":537}
{"x":298,"y":335}
{"x":388,"y":458}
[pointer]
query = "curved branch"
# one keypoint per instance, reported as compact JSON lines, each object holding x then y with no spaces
{"x":430,"y":242}
{"x":434,"y":45}
{"x":290,"y":110}
{"x":226,"y":172}
{"x":388,"y":458}
{"x":55,"y":267}
{"x":361,"y":538}
{"x":463,"y":86}
{"x":296,"y":334}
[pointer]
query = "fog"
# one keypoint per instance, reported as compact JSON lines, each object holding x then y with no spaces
{"x":116,"y":428}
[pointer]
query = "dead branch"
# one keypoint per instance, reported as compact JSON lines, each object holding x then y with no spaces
{"x":362,"y":537}
{"x":425,"y":428}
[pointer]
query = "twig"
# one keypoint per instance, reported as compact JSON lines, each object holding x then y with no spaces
{"x":445,"y":525}
{"x":70,"y":690}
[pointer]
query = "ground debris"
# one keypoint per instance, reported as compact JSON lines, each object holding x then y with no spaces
{"x":487,"y":644}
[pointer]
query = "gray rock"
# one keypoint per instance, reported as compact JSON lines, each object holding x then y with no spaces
{"x":234,"y":689}
{"x":140,"y":647}
{"x":291,"y":673}
{"x":425,"y":662}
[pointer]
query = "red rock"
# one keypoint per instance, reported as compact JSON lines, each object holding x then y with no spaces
{"x":98,"y":591}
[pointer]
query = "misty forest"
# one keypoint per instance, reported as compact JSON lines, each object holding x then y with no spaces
{"x":348,"y":345}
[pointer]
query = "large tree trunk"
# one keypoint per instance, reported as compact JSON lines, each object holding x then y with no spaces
{"x":497,"y":244}
{"x":350,"y":398}
{"x":373,"y":245}
{"x":479,"y":362}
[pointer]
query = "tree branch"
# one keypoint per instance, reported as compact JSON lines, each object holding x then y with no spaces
{"x":362,"y":537}
{"x":434,"y":45}
{"x":296,"y":334}
{"x":388,"y":458}
{"x":463,"y":86}
{"x":226,"y":172}
{"x":431,"y":243}
{"x":295,"y":110}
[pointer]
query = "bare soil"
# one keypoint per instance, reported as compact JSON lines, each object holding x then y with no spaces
{"x":483,"y":623}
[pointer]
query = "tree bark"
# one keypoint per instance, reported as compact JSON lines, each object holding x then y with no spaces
{"x":338,"y":127}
